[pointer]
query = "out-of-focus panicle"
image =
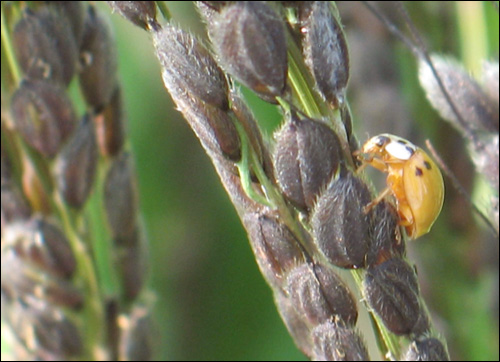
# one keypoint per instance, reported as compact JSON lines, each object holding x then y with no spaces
{"x":120,"y":198}
{"x":6,"y":166}
{"x":24,"y":281}
{"x":120,"y":205}
{"x":44,"y":47}
{"x":37,"y":267}
{"x":42,"y":244}
{"x":475,"y":107}
{"x":110,"y":126}
{"x":484,"y":153}
{"x":476,"y":114}
{"x":74,"y":12}
{"x":76,"y":164}
{"x":37,"y":262}
{"x":14,"y":205}
{"x":59,"y":165}
{"x":47,"y":333}
{"x":141,"y":13}
{"x":490,"y":81}
{"x":43,"y":115}
{"x":136,"y":334}
{"x":98,"y":77}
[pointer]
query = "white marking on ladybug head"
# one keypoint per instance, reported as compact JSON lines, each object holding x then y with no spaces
{"x":376,"y":144}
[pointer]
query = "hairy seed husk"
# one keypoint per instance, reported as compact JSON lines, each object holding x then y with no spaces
{"x":296,"y":324}
{"x":391,"y":289}
{"x":339,"y":223}
{"x":319,"y":295}
{"x":188,"y":66}
{"x":387,"y":241}
{"x":250,"y":40}
{"x":277,"y":247}
{"x":427,"y":349}
{"x":306,"y":155}
{"x":325,"y":49}
{"x":334,"y":342}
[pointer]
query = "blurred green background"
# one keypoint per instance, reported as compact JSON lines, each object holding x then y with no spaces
{"x":212,"y":303}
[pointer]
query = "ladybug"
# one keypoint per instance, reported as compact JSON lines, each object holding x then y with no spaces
{"x":412,"y":177}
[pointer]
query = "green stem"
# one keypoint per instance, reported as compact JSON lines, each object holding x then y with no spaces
{"x":473,"y":39}
{"x":95,"y":320}
{"x":245,"y":168}
{"x":9,"y":49}
{"x":301,"y":86}
{"x":164,"y":10}
{"x":102,"y":248}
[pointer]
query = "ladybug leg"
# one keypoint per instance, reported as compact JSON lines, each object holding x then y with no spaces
{"x":406,"y":219}
{"x":378,"y":164}
{"x":362,"y":167}
{"x":374,"y":162}
{"x":377,"y":200}
{"x":405,"y":215}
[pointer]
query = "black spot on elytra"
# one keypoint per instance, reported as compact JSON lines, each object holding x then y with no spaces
{"x":409,"y":149}
{"x":427,"y":165}
{"x":402,"y":142}
{"x":418,"y":171}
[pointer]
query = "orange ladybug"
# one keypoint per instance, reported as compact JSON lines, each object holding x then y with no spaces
{"x":413,"y":179}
